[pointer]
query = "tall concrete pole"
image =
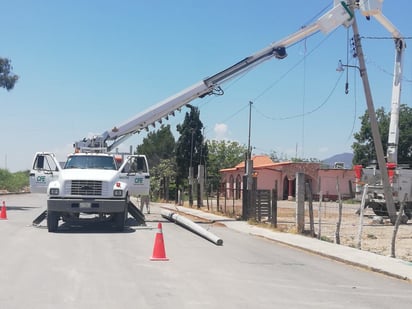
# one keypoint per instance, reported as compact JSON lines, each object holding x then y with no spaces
{"x":374,"y":124}
{"x":249,"y":162}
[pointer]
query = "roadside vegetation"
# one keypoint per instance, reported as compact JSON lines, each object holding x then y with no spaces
{"x":13,"y":182}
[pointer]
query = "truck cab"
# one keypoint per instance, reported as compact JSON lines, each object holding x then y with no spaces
{"x":89,"y":184}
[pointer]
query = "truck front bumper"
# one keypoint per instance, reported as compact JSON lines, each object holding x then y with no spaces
{"x":86,"y":205}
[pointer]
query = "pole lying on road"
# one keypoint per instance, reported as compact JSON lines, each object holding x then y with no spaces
{"x":190,"y":225}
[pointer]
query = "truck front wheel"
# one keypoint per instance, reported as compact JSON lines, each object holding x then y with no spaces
{"x":52,"y":221}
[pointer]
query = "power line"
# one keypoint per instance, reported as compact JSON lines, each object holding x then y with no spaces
{"x":385,"y":37}
{"x":306,"y":113}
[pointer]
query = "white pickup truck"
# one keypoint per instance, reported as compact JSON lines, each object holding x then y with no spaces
{"x":90,"y":186}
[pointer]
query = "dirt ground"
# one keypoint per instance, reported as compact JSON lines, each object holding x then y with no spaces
{"x":375,"y":236}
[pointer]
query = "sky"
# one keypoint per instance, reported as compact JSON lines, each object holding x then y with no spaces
{"x":87,"y":66}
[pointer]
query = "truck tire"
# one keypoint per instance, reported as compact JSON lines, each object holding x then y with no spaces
{"x":379,"y":209}
{"x":52,"y":221}
{"x":120,"y":218}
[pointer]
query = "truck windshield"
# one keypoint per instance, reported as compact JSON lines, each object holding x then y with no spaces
{"x":97,"y":162}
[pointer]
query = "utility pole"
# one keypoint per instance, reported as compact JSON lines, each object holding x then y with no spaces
{"x":191,"y":172}
{"x":200,"y":177}
{"x":249,"y":162}
{"x":247,"y":178}
{"x":374,"y":124}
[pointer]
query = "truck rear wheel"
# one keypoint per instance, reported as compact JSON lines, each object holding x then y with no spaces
{"x":379,"y":209}
{"x":52,"y":221}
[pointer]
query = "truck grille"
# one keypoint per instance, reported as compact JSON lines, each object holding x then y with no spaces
{"x":86,"y":187}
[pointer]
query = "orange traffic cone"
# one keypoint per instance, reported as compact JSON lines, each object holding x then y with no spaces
{"x":159,"y":253}
{"x":3,"y":213}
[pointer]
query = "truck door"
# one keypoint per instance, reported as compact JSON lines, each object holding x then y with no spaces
{"x":135,"y":171}
{"x":45,"y":169}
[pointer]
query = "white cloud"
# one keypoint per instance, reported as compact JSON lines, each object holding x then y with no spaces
{"x":221,"y":131}
{"x":62,"y":152}
{"x":323,"y":149}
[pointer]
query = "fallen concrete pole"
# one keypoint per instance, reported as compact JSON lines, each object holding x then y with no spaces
{"x":190,"y":225}
{"x":136,"y":213}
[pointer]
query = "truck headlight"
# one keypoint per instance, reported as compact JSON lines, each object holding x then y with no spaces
{"x":118,"y":192}
{"x":54,"y":191}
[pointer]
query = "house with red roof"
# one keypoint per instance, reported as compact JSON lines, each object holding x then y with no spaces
{"x":282,"y":175}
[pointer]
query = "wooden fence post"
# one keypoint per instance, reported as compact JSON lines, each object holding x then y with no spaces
{"x":337,"y":232}
{"x":245,"y":199}
{"x":310,"y":200}
{"x":274,"y":219}
{"x":397,"y":222}
{"x":362,"y":207}
{"x":300,"y":202}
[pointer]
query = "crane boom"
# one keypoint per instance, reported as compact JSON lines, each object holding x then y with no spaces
{"x":374,"y":8}
{"x":388,"y":184}
{"x":339,"y":15}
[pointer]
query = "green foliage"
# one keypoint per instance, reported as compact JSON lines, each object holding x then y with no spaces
{"x":190,"y":149}
{"x":283,"y":157}
{"x":13,"y":182}
{"x":162,"y":179}
{"x":309,"y":160}
{"x":7,"y":79}
{"x":364,"y":147}
{"x":223,"y":154}
{"x":159,"y":148}
{"x":275,"y":157}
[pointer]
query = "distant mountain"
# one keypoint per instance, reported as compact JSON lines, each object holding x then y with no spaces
{"x":345,"y":158}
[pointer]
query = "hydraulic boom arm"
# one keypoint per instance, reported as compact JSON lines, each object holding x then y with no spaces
{"x":393,"y":137}
{"x":374,"y":8}
{"x":338,"y":15}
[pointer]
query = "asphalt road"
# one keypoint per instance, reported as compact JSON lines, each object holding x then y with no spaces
{"x":92,"y":266}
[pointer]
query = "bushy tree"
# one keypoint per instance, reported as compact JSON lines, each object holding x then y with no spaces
{"x":162,"y":179}
{"x":157,"y":146}
{"x":364,"y":147}
{"x":7,"y":78}
{"x":190,"y":147}
{"x":223,"y":154}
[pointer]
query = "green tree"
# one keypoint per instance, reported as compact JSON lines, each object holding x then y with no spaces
{"x":190,"y":148}
{"x":275,"y":157}
{"x":162,"y":179}
{"x":157,"y":146}
{"x":7,"y":78}
{"x":223,"y":154}
{"x":364,"y":147}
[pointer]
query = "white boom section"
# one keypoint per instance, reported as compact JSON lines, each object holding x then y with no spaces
{"x":374,"y":8}
{"x":337,"y":16}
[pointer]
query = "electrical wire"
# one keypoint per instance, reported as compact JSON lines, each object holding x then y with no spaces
{"x":262,"y":93}
{"x":306,"y":113}
{"x":385,"y":71}
{"x":384,"y":37}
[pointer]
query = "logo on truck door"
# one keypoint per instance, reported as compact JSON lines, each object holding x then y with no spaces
{"x":138,"y":180}
{"x":41,"y":179}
